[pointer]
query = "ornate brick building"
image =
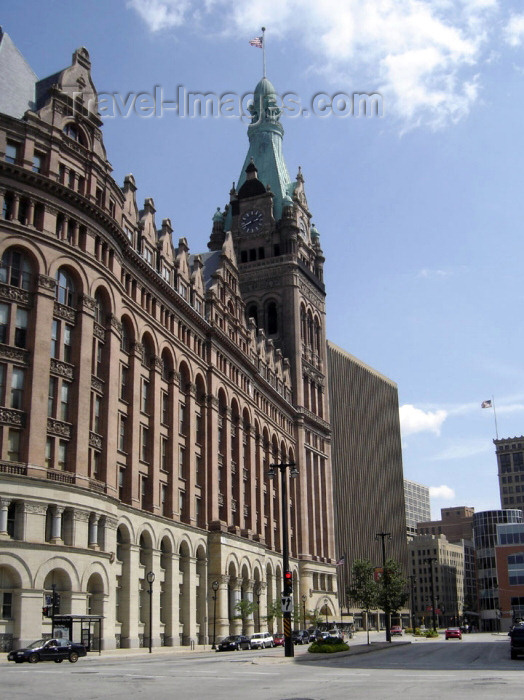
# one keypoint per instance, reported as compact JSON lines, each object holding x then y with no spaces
{"x":145,"y":391}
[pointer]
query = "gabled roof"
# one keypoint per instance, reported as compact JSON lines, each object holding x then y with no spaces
{"x":17,"y":80}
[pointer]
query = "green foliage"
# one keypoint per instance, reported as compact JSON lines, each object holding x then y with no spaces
{"x":274,"y":610}
{"x":391,"y":588}
{"x":245,"y":608}
{"x":431,"y":633}
{"x":314,"y":617}
{"x":363,"y":589}
{"x":327,"y":646}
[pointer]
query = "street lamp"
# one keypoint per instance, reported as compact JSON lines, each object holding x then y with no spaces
{"x":326,"y":603}
{"x":150,"y":577}
{"x":412,"y":580}
{"x":289,"y":649}
{"x":214,"y":586}
{"x":430,"y":561}
{"x":385,"y":574}
{"x":304,"y":598}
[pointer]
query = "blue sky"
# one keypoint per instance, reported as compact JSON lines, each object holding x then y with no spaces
{"x":420,"y":210}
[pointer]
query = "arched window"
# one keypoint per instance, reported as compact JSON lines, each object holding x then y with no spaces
{"x":74,"y":132}
{"x":65,"y":288}
{"x":15,"y":269}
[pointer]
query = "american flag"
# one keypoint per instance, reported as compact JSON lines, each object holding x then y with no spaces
{"x":486,"y":404}
{"x":257,"y":41}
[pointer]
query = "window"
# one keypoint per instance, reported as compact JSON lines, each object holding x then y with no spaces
{"x":38,"y":162}
{"x":17,"y":388}
{"x":51,"y":396}
{"x":62,"y":455}
{"x":64,"y":288}
{"x":7,"y":605}
{"x":11,"y":152}
{"x":13,"y":445}
{"x":163,"y":453}
{"x":181,"y":418}
{"x":145,"y":396}
{"x":181,"y":460}
{"x":15,"y":269}
{"x":165,"y":407}
{"x":122,"y":433}
{"x":49,"y":446}
{"x":4,"y":323}
{"x":124,"y":378}
{"x":21,"y":328}
{"x":97,"y":403}
{"x":144,"y":444}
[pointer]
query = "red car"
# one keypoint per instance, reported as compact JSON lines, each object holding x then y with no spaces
{"x":396,"y":629}
{"x":453,"y":633}
{"x":278,"y":640}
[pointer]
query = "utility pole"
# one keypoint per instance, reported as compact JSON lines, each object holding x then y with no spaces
{"x":385,"y":576}
{"x":430,"y":561}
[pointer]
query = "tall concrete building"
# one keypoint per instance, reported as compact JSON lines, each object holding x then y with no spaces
{"x":510,"y":461}
{"x":456,"y":523}
{"x":145,"y":390}
{"x":367,"y":465}
{"x":418,"y":508}
{"x":437,"y":567}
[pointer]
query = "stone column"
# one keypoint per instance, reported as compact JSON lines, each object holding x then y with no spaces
{"x":56,"y":526}
{"x":4,"y":507}
{"x":235,"y":596}
{"x":93,"y":531}
{"x":222,"y":626}
{"x":250,"y":622}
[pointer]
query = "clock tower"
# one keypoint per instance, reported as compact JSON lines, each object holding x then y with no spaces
{"x":279,"y":256}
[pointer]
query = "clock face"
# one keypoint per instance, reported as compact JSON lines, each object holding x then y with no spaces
{"x":251,"y":221}
{"x":303,"y":228}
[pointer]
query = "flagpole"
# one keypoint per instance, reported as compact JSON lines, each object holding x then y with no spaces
{"x":495,"y":416}
{"x":264,"y":51}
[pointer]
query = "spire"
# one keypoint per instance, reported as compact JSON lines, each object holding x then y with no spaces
{"x":265,"y":135}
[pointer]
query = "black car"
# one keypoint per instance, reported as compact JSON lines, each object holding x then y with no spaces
{"x":234,"y":642}
{"x":300,"y":637}
{"x":517,"y":642}
{"x":48,"y":650}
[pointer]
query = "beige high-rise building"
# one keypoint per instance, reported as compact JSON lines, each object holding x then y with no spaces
{"x":145,"y":390}
{"x":510,"y":462}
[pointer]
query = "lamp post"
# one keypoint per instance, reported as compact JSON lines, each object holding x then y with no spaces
{"x":385,"y":574}
{"x":150,"y":577}
{"x":326,"y":603}
{"x":289,"y":649}
{"x":304,"y":598}
{"x":258,"y":591}
{"x":430,"y":561}
{"x":214,"y":586}
{"x":412,"y":580}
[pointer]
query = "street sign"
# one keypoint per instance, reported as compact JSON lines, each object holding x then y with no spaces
{"x":287,"y":603}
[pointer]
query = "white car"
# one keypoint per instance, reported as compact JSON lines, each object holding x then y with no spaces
{"x":261,"y":640}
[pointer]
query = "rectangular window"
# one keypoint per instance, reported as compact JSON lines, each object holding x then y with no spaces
{"x":11,"y":152}
{"x":38,"y":162}
{"x":21,"y":328}
{"x":143,"y":491}
{"x":13,"y":445}
{"x":145,"y":395}
{"x":54,"y":339}
{"x":67,"y":350}
{"x":51,"y":397}
{"x":64,"y":400}
{"x":49,"y":445}
{"x":17,"y":388}
{"x":4,"y":323}
{"x":144,"y":444}
{"x":122,"y":433}
{"x":7,"y":605}
{"x":121,"y":481}
{"x":163,"y":498}
{"x":62,"y":455}
{"x":199,"y":428}
{"x":124,"y":378}
{"x":181,"y":460}
{"x":181,"y":501}
{"x":165,"y":408}
{"x":181,"y":418}
{"x":97,"y":403}
{"x":163,"y":453}
{"x":3,"y":372}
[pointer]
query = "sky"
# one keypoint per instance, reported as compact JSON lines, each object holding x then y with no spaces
{"x":419,"y":204}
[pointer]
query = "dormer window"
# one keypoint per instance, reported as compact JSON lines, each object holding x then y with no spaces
{"x":148,"y":255}
{"x":165,"y":273}
{"x":73,"y":132}
{"x":182,"y":290}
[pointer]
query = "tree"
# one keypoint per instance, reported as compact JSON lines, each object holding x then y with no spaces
{"x":363,"y":589}
{"x":315,"y":617}
{"x":391,"y":588}
{"x":274,"y":610}
{"x":245,"y":608}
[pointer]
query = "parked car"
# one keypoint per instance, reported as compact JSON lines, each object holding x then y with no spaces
{"x":278,"y":640}
{"x":300,"y":637}
{"x":336,"y":633}
{"x":48,"y":650}
{"x":517,"y":642}
{"x":396,"y":630}
{"x":261,"y":640}
{"x":453,"y":633}
{"x":235,"y":642}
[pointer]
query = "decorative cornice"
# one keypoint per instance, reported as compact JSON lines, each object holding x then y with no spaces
{"x":115,"y":323}
{"x":7,"y":352}
{"x":58,"y":427}
{"x":47,"y":283}
{"x":95,"y":440}
{"x":20,"y":296}
{"x":99,"y":331}
{"x":65,"y":312}
{"x":97,"y":385}
{"x":61,"y":368}
{"x":87,"y":302}
{"x":10,"y":416}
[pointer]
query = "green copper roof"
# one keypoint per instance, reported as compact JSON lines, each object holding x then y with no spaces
{"x":265,"y":145}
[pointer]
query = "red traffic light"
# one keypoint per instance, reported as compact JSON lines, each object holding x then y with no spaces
{"x":288,"y":577}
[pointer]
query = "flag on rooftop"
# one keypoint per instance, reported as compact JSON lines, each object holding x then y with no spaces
{"x":486,"y":404}
{"x":258,"y":41}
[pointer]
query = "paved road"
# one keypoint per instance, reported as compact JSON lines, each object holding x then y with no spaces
{"x":477,"y":667}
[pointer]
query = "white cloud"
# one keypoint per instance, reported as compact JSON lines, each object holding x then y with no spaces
{"x":415,"y":420}
{"x":422,"y":55}
{"x":425,"y":273}
{"x":443,"y":492}
{"x":514,"y":30}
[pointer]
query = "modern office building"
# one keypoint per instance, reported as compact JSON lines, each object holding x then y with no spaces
{"x":418,"y":508}
{"x":367,"y":466}
{"x":509,"y":553}
{"x":456,"y":523}
{"x":486,"y":540}
{"x":510,"y":461}
{"x":145,"y":390}
{"x":437,"y":568}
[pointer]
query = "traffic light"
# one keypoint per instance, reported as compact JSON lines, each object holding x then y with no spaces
{"x":46,"y":611}
{"x":288,"y":583}
{"x":57,"y":603}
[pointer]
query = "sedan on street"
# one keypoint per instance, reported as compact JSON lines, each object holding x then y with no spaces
{"x":234,"y":642}
{"x":453,"y":633}
{"x":48,"y":650}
